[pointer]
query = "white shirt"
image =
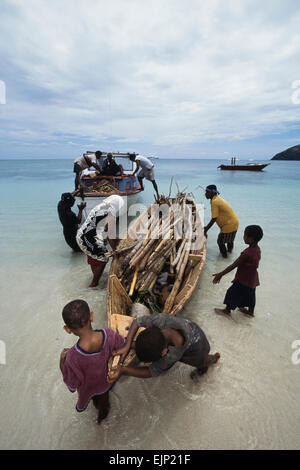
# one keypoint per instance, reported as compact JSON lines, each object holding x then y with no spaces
{"x":144,"y":162}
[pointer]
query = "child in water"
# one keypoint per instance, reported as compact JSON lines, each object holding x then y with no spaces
{"x":85,"y":366}
{"x":165,"y":340}
{"x":242,"y":292}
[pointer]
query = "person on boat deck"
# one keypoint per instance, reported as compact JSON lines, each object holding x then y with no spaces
{"x":110,"y":167}
{"x":165,"y":340}
{"x":225,"y":217}
{"x":81,"y":164}
{"x":146,"y":168}
{"x":85,"y":366}
{"x":69,"y":220}
{"x":242,"y":292}
{"x":93,"y":235}
{"x":99,"y":158}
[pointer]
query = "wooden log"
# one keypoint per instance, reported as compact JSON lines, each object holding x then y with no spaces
{"x":133,"y":282}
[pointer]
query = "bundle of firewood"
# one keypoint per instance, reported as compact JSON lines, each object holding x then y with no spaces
{"x":165,"y":247}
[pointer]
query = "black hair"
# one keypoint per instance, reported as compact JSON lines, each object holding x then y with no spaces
{"x":76,"y":314}
{"x":150,"y":344}
{"x":98,"y":153}
{"x":255,"y":232}
{"x":67,"y":199}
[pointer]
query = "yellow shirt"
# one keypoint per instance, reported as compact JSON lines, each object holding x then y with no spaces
{"x":227,"y":219}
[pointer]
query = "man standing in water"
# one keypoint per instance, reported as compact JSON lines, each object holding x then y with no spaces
{"x":147,"y":170}
{"x":69,"y":220}
{"x":226,"y":219}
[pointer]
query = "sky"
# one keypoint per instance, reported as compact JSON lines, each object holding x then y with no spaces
{"x":171,"y":78}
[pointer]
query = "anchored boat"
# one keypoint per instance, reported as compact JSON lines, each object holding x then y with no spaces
{"x":247,"y":167}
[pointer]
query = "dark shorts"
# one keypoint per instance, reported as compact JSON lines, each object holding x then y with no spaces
{"x":239,"y":296}
{"x":77,"y":168}
{"x":196,"y":354}
{"x":226,"y":237}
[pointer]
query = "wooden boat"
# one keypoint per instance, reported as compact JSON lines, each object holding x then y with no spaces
{"x":248,"y":167}
{"x":156,"y":243}
{"x":97,"y":187}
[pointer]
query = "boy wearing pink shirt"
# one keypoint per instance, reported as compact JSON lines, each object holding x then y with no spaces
{"x":85,"y":366}
{"x":242,"y":292}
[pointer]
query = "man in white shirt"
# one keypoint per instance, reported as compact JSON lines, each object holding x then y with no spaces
{"x":82,"y":163}
{"x":146,"y":170}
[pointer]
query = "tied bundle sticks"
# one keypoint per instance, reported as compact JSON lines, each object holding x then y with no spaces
{"x":166,"y":246}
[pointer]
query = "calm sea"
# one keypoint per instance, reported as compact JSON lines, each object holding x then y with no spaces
{"x":249,"y":400}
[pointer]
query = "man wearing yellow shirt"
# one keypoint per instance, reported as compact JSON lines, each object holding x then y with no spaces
{"x":226,"y":219}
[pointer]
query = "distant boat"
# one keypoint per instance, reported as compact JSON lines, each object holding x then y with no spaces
{"x":246,"y":167}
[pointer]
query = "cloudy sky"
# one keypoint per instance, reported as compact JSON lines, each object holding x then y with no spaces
{"x":175,"y":78}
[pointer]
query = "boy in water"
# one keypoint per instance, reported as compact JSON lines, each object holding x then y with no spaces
{"x":242,"y":292}
{"x":85,"y":366}
{"x":166,"y":340}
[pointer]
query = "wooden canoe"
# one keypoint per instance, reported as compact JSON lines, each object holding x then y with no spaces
{"x":153,"y":245}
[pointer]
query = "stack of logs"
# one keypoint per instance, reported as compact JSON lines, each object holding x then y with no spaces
{"x":166,"y":247}
{"x":104,"y":187}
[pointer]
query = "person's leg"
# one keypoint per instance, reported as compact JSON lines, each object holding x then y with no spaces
{"x":97,"y":270}
{"x":141,"y":183}
{"x":155,"y":187}
{"x":223,"y":311}
{"x":210,"y":360}
{"x":101,"y":403}
{"x":221,"y":245}
{"x":229,"y":247}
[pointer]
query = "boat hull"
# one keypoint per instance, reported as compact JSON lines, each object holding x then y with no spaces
{"x":243,"y":167}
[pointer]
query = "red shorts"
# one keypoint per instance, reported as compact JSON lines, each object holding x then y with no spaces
{"x":94,"y":262}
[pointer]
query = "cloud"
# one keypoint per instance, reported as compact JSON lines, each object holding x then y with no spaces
{"x":153,"y":76}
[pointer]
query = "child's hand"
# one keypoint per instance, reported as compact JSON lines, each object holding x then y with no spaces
{"x":114,"y":374}
{"x":121,"y":352}
{"x":217,"y":278}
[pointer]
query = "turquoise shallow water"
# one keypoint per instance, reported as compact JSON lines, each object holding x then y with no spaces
{"x":250,"y":399}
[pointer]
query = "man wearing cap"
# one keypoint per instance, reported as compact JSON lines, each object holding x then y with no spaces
{"x":226,"y":219}
{"x":69,"y":220}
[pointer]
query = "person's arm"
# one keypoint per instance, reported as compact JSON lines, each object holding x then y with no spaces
{"x":240,"y":260}
{"x":137,"y":166}
{"x":139,"y":372}
{"x":124,"y":350}
{"x":63,"y":355}
{"x":209,"y":225}
{"x":80,"y":206}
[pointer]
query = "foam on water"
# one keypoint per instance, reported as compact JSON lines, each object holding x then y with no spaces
{"x":248,"y":400}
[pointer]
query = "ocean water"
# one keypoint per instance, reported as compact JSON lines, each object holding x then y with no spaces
{"x":249,"y":400}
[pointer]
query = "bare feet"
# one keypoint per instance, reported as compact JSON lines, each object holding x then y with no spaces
{"x":223,"y":311}
{"x":93,"y":284}
{"x":246,"y":311}
{"x":211,"y":359}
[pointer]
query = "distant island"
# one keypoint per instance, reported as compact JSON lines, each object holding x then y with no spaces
{"x":292,"y":153}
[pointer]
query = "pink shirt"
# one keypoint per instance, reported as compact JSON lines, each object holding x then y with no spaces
{"x":86,"y":372}
{"x":247,"y":273}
